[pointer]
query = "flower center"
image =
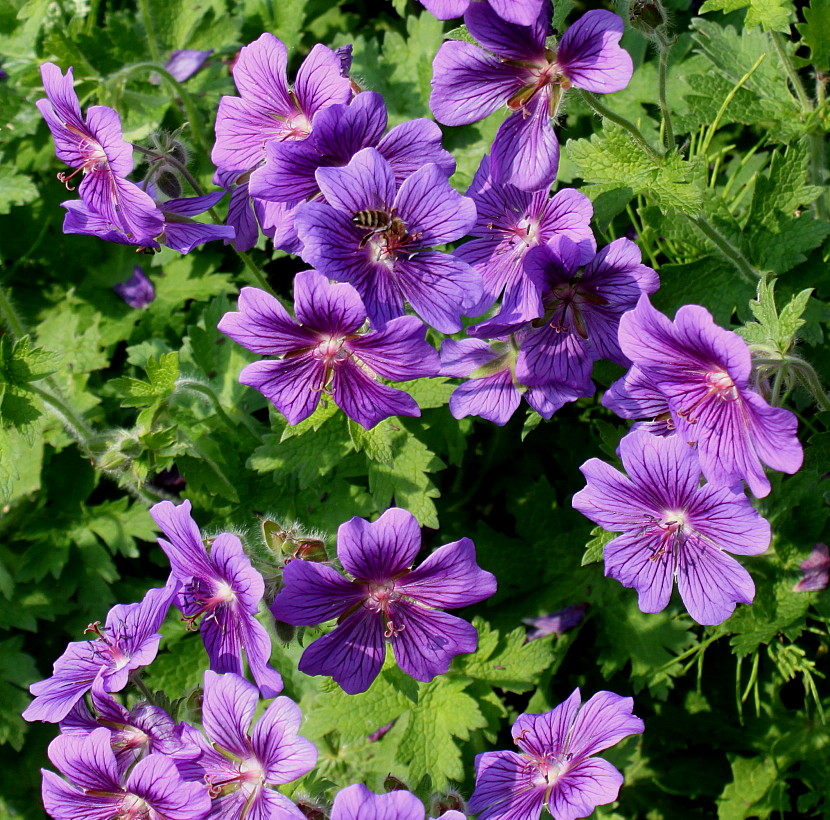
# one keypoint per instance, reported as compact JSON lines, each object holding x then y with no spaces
{"x":718,"y":385}
{"x":674,"y":525}
{"x":540,"y":75}
{"x":133,"y":806}
{"x":380,"y":599}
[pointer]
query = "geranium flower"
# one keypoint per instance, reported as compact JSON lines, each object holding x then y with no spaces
{"x":135,"y":733}
{"x":815,"y":569}
{"x":578,"y":309}
{"x":324,"y":352}
{"x":522,"y":72}
{"x":242,"y":764}
{"x":222,"y":590}
{"x":556,"y":767}
{"x":358,"y":803}
{"x":493,"y":391}
{"x":509,"y":222}
{"x":672,"y":528}
{"x":96,"y":148}
{"x":267,"y":109}
{"x":389,"y":262}
{"x":98,"y":788}
{"x":128,"y":640}
{"x":703,"y":371}
{"x":386,"y":602}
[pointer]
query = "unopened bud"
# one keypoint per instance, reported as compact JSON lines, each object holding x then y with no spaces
{"x":451,"y":801}
{"x":285,"y":632}
{"x":168,"y":183}
{"x":649,"y":18}
{"x":394,"y":784}
{"x":311,"y":810}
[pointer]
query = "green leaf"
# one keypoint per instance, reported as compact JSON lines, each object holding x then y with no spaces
{"x":753,"y":780}
{"x":17,"y":671}
{"x":648,"y":642}
{"x":594,"y":548}
{"x":506,"y":661}
{"x":773,"y":329}
{"x":815,"y":33}
{"x":305,"y":458}
{"x":772,"y":15}
{"x":610,"y":160}
{"x":406,"y":478}
{"x":15,"y":189}
{"x":355,"y":717}
{"x":377,"y":442}
{"x":444,"y":712}
{"x":162,"y":374}
{"x":20,"y":363}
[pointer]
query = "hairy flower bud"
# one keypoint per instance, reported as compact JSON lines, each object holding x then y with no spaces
{"x":649,"y":17}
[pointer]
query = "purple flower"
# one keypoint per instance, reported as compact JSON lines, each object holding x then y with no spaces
{"x":525,"y":74}
{"x":134,"y":734}
{"x":377,"y":236}
{"x":185,"y":62}
{"x":222,"y":589}
{"x":386,"y":601}
{"x":523,"y":12}
{"x":177,"y":231}
{"x":338,"y":133}
{"x":129,"y":639}
{"x":267,"y":109}
{"x":137,"y":291}
{"x":635,"y":396}
{"x":703,"y":371}
{"x":358,"y":803}
{"x":556,"y":623}
{"x":816,"y":570}
{"x":556,"y":765}
{"x":153,"y":789}
{"x":243,"y":768}
{"x":96,"y":148}
{"x":323,"y":351}
{"x":493,"y":391}
{"x":578,"y":310}
{"x":672,"y":528}
{"x":510,"y":222}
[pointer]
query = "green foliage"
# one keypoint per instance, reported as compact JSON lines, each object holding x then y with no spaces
{"x":815,"y":33}
{"x":771,"y":15}
{"x":610,"y":162}
{"x":105,"y":409}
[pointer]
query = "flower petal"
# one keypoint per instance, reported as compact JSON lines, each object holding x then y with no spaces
{"x":352,"y":654}
{"x":590,"y":55}
{"x":375,"y":552}
{"x":313,"y":594}
{"x":588,"y":784}
{"x":292,"y":385}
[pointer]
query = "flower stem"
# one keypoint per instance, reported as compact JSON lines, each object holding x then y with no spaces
{"x":795,"y":80}
{"x":593,"y":102}
{"x":197,"y":386}
{"x":193,"y":118}
{"x":80,"y":429}
{"x":256,"y":273}
{"x":147,"y":21}
{"x":662,"y":70}
{"x":727,"y":249}
{"x":10,"y":317}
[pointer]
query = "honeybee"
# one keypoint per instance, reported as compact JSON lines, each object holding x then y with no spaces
{"x":377,"y":221}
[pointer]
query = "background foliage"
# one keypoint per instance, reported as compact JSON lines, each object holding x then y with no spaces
{"x":102,"y":406}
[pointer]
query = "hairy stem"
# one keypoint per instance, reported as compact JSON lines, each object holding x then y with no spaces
{"x":662,"y":70}
{"x":727,"y":249}
{"x":795,"y":80}
{"x":206,"y":390}
{"x":193,"y":118}
{"x":10,"y":317}
{"x":147,"y":22}
{"x":593,"y":102}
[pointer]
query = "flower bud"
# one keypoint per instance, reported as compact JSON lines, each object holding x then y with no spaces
{"x":649,"y":18}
